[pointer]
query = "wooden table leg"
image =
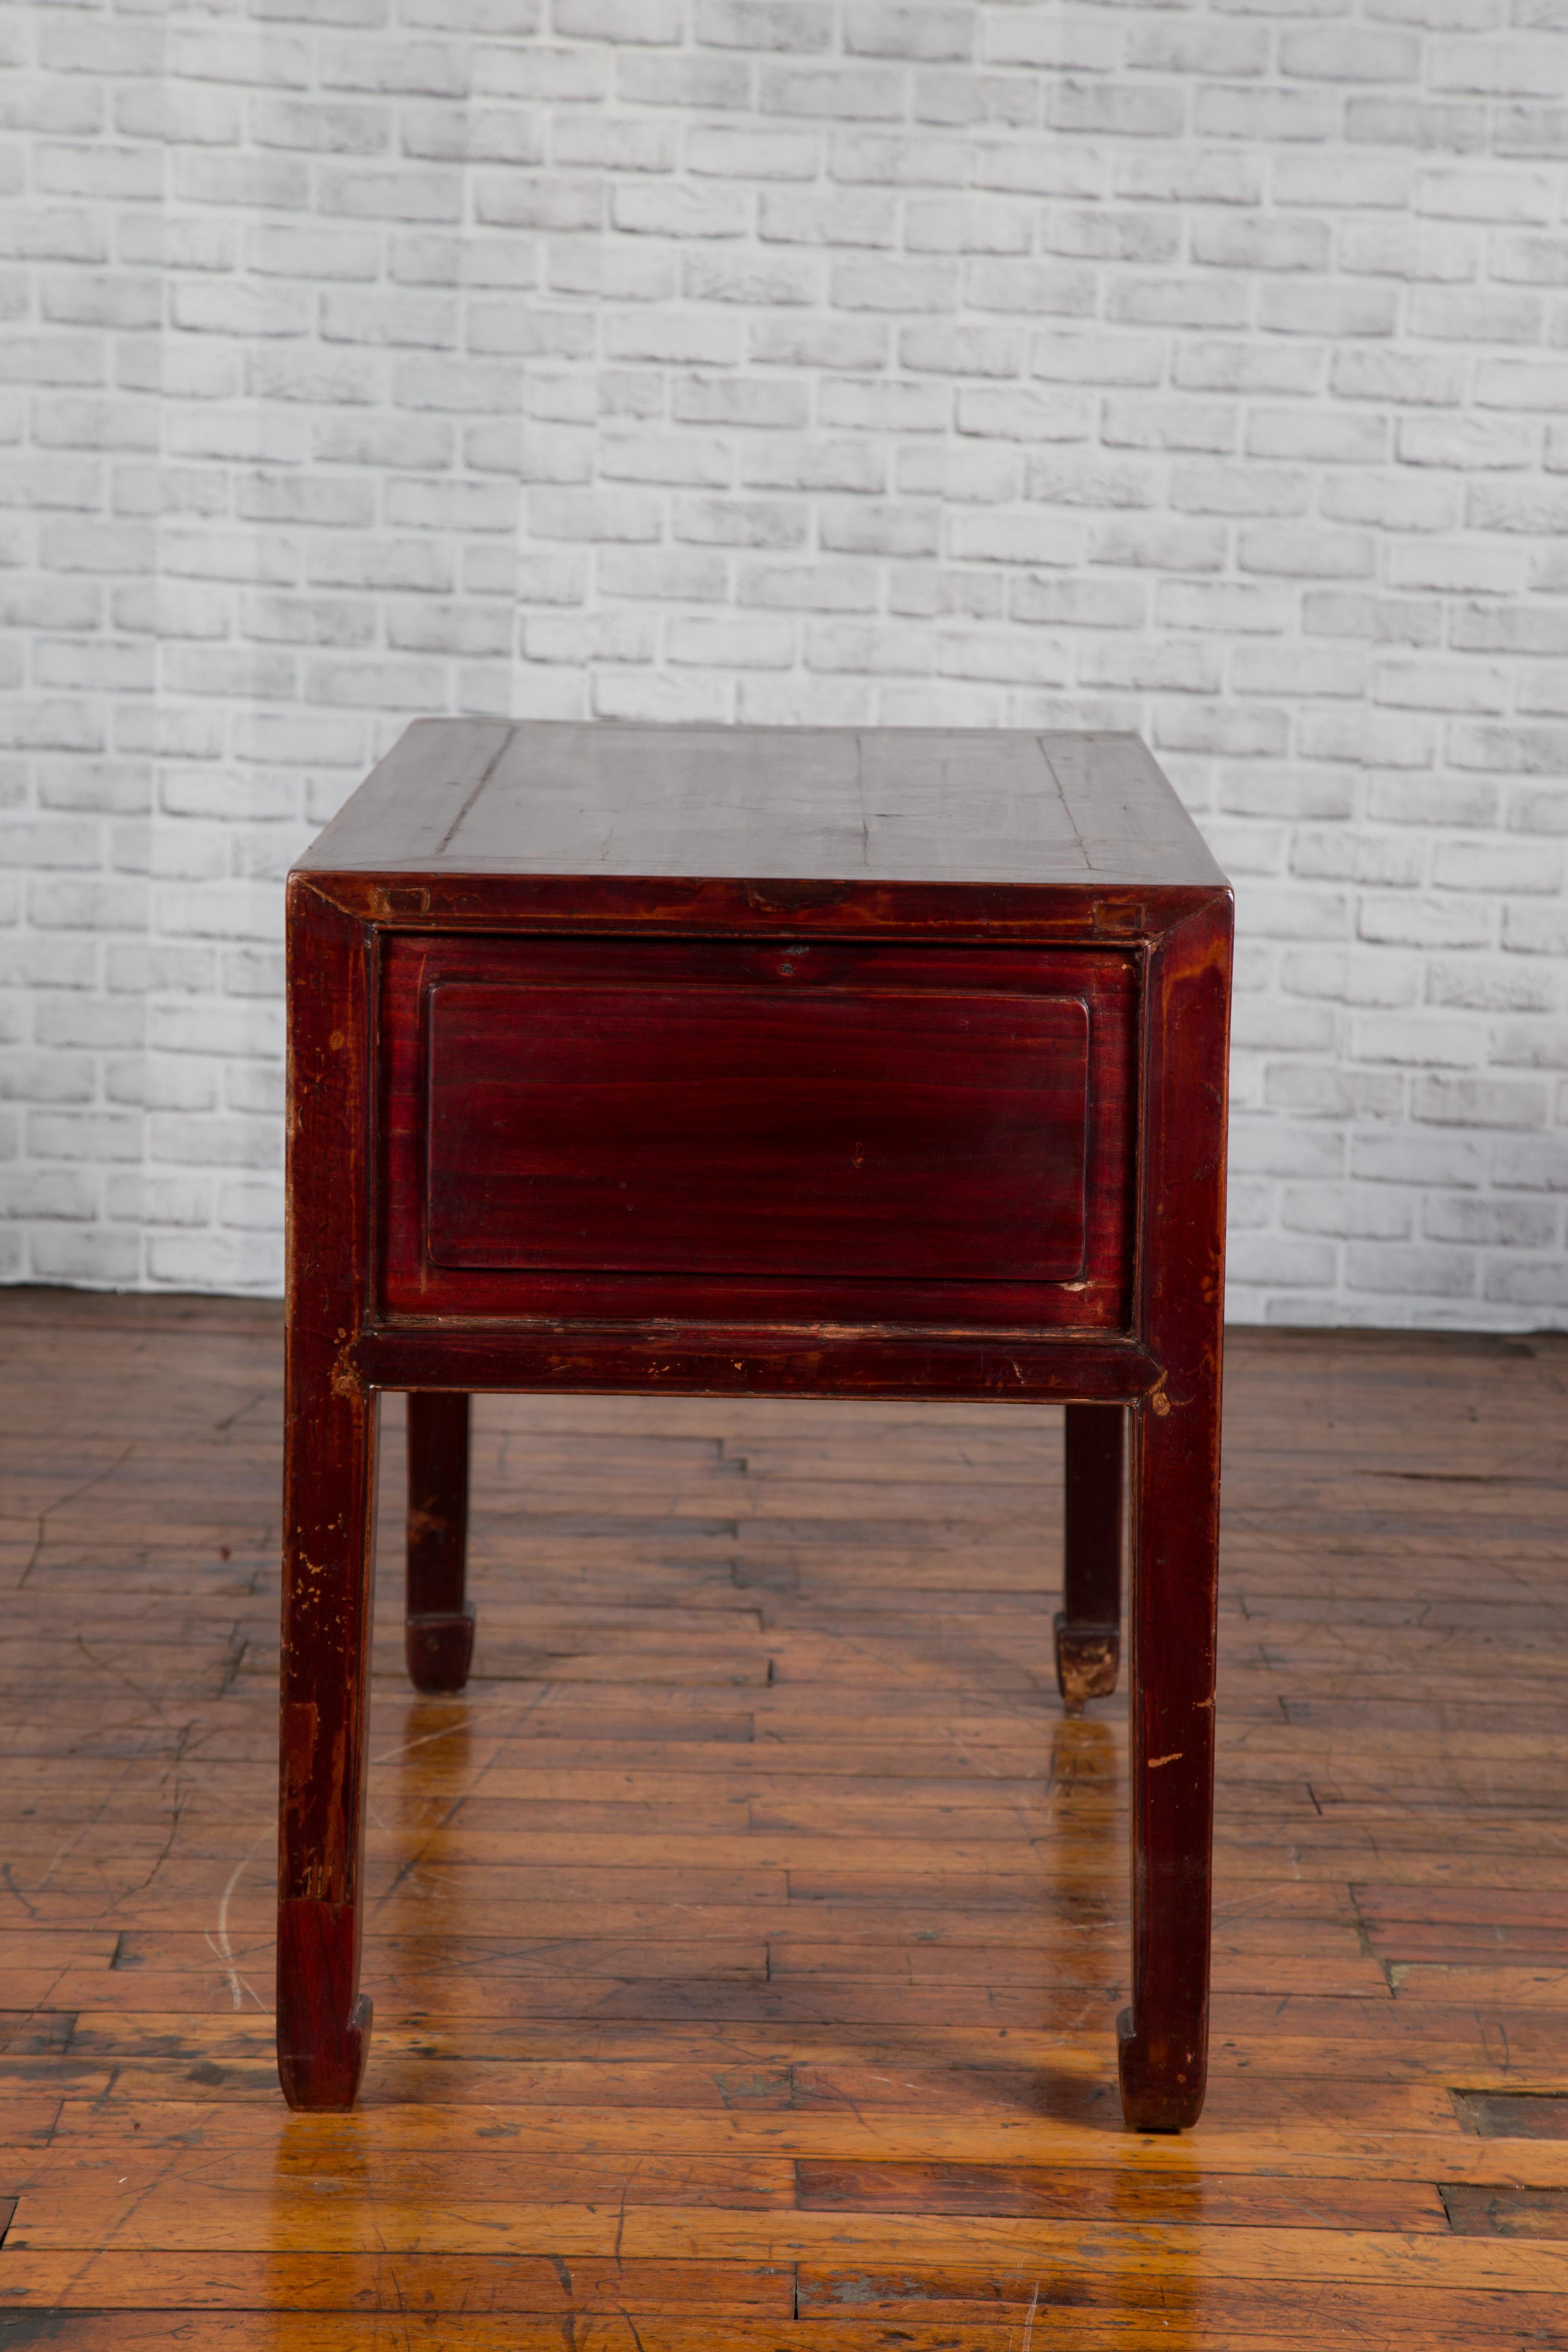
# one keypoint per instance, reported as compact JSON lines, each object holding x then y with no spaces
{"x":323,"y":2021}
{"x":1089,"y":1627}
{"x":1175,"y":1521}
{"x":438,"y":1637}
{"x":1164,"y":2034}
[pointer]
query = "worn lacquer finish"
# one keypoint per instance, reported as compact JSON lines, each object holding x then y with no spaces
{"x":749,"y":1062}
{"x":1175,"y":1520}
{"x":323,"y":2023}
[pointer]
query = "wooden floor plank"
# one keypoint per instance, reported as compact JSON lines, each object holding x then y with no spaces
{"x":747,"y":1941}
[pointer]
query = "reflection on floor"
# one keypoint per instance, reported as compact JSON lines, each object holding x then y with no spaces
{"x":746,"y":1943}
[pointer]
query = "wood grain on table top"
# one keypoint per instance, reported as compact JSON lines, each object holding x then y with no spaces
{"x":892,"y":805}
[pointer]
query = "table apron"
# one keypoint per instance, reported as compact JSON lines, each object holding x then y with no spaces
{"x":1091,"y":1369}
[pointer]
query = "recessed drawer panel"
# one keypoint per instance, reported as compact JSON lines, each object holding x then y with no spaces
{"x":834,"y":1133}
{"x":759,"y":1131}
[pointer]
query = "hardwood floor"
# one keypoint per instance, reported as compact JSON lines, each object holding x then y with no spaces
{"x":746,"y":1943}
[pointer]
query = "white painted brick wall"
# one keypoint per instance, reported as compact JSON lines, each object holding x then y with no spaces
{"x":1200,"y":369}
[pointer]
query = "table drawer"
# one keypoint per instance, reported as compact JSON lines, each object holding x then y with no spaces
{"x":754,"y":1129}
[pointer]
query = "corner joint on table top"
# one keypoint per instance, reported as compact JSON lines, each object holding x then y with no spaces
{"x":349,"y":896}
{"x":1123,"y":920}
{"x":300,"y":888}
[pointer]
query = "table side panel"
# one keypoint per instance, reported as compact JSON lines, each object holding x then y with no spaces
{"x":668,"y":1129}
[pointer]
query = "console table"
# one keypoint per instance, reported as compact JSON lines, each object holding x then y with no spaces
{"x":747,"y":1061}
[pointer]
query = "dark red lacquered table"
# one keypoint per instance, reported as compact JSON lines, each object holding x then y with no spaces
{"x":756,"y":1061}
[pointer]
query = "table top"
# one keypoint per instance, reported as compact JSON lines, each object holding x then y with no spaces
{"x":482,"y":796}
